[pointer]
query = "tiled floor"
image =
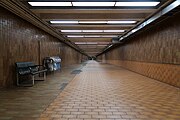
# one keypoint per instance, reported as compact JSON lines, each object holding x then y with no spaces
{"x":27,"y":103}
{"x":106,"y":92}
{"x":100,"y":92}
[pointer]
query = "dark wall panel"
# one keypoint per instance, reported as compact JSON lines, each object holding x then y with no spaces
{"x":70,"y":56}
{"x":21,"y":41}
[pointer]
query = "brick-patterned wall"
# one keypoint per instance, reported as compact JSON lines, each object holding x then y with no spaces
{"x":159,"y":44}
{"x":167,"y":73}
{"x":21,"y":41}
{"x":155,"y":52}
{"x":69,"y":56}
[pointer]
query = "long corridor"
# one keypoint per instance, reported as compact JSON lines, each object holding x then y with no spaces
{"x":107,"y":92}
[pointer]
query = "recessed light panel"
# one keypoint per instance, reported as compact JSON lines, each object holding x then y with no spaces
{"x":98,"y":31}
{"x":121,"y":22}
{"x":92,"y":30}
{"x":110,"y":36}
{"x":71,"y":30}
{"x":137,"y":4}
{"x":92,"y":22}
{"x":92,"y":4}
{"x":64,"y":22}
{"x":92,"y":43}
{"x":114,"y":30}
{"x":94,"y":36}
{"x":74,"y":36}
{"x":50,"y":3}
{"x":103,"y":42}
{"x":80,"y":43}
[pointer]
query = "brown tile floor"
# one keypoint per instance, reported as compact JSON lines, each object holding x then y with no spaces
{"x":106,"y":92}
{"x":27,"y":103}
{"x":100,"y":92}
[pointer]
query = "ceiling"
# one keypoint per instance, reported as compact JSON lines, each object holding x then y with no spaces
{"x":92,"y":28}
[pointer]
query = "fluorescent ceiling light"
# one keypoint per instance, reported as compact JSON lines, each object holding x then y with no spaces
{"x":109,"y":36}
{"x":50,"y":3}
{"x":92,"y":36}
{"x":84,"y":43}
{"x":92,"y":30}
{"x":94,"y":43}
{"x":121,"y":22}
{"x":137,"y":3}
{"x":80,"y":43}
{"x":75,"y":36}
{"x":100,"y":36}
{"x":103,"y":42}
{"x":114,"y":30}
{"x":92,"y":22}
{"x":71,"y":30}
{"x":63,"y":22}
{"x":93,"y":52}
{"x":91,"y":4}
{"x":99,"y":43}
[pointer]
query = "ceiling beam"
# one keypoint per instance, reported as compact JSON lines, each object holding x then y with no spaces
{"x":87,"y":11}
{"x":92,"y":27}
{"x":71,"y":16}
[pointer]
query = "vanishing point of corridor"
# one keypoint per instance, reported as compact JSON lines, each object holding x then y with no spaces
{"x":106,"y":92}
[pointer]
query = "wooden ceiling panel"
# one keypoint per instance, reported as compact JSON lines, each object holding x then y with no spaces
{"x":72,"y":16}
{"x":98,"y":14}
{"x":88,"y":11}
{"x":92,"y":27}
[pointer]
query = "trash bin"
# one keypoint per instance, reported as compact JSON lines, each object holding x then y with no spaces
{"x":52,"y":63}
